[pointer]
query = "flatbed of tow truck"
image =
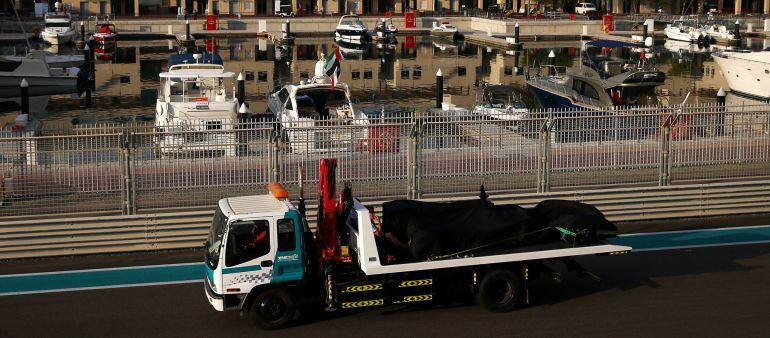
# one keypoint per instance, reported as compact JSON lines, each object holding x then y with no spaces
{"x":369,"y":261}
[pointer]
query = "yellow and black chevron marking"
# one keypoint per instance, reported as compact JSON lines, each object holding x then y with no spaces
{"x":619,"y":252}
{"x":415,"y":298}
{"x":363,"y":303}
{"x":362,"y":288}
{"x":416,"y":282}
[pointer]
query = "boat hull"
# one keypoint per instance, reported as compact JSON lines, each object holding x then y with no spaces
{"x":348,"y":34}
{"x":548,"y":99}
{"x":744,"y":76}
{"x":56,"y":38}
{"x":675,"y":34}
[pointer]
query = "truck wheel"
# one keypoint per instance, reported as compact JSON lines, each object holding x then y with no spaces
{"x":500,"y":291}
{"x":273,"y":309}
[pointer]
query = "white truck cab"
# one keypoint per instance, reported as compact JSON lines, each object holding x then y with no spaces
{"x":247,"y":249}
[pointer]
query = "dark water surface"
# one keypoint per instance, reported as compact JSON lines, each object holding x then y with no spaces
{"x":401,"y":75}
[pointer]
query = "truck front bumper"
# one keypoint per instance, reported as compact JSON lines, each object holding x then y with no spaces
{"x":216,"y":301}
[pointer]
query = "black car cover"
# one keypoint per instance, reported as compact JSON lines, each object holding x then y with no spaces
{"x":435,"y":229}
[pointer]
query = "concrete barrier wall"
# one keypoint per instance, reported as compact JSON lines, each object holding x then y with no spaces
{"x":99,"y":235}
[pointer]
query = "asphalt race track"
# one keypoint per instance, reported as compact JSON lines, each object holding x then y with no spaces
{"x":712,"y":291}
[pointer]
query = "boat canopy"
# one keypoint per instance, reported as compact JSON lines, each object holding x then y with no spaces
{"x":189,"y":58}
{"x":197,"y":71}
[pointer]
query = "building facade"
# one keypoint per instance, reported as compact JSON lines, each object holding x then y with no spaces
{"x":336,"y":7}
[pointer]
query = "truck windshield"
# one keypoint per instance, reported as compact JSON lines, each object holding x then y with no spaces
{"x":214,"y":241}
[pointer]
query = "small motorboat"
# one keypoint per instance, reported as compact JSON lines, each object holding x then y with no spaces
{"x":682,"y":31}
{"x":444,"y":29}
{"x":351,"y":29}
{"x":500,"y":102}
{"x":716,"y":31}
{"x":58,"y":27}
{"x":105,"y":33}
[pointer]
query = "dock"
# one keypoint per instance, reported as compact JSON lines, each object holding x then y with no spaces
{"x":544,"y":41}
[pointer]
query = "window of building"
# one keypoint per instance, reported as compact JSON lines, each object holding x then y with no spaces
{"x":125,"y":79}
{"x":404,"y":74}
{"x":367,"y":74}
{"x":247,"y":240}
{"x":249,"y":75}
{"x":303,"y":75}
{"x":508,"y":71}
{"x":461,"y":71}
{"x":417,"y":73}
{"x":262,"y":76}
{"x":355,"y":75}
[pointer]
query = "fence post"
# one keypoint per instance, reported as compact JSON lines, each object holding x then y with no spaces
{"x":413,"y":159}
{"x":129,"y":197}
{"x":544,"y":166}
{"x":276,"y":144}
{"x":664,"y":171}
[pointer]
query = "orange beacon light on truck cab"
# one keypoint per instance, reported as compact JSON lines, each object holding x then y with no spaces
{"x":277,"y":190}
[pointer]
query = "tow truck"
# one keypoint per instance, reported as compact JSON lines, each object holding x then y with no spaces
{"x":262,"y":259}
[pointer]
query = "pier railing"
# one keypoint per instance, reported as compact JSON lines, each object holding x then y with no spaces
{"x":133,"y":169}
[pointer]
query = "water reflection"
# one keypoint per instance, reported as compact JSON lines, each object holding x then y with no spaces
{"x":398,"y":73}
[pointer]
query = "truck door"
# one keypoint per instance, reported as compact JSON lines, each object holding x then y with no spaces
{"x":289,"y":263}
{"x":249,"y":254}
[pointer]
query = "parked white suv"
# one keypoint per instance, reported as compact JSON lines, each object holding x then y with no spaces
{"x":585,"y":8}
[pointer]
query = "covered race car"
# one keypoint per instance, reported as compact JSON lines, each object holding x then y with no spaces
{"x":435,"y":230}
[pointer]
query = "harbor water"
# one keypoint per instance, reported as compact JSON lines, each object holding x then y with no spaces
{"x":401,"y":74}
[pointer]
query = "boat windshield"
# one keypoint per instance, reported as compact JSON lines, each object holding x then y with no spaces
{"x":318,"y":103}
{"x":214,"y":240}
{"x":500,"y":99}
{"x":183,"y":89}
{"x":351,"y":22}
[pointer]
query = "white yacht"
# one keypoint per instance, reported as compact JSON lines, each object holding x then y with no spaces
{"x":58,"y":27}
{"x":351,"y":29}
{"x":301,"y":108}
{"x":196,"y":106}
{"x":34,"y":67}
{"x":444,"y":29}
{"x":681,"y":31}
{"x":746,"y":72}
{"x":500,"y":102}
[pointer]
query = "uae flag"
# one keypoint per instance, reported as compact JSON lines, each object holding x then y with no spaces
{"x":332,"y":66}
